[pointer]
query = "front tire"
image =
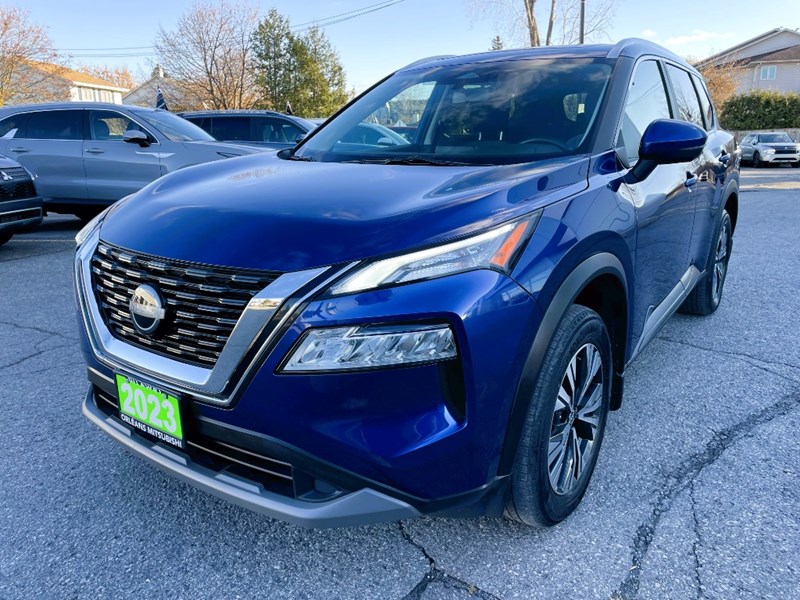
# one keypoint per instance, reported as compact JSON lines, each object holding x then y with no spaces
{"x":757,"y":164}
{"x":565,"y":422}
{"x":707,"y":294}
{"x":4,"y":237}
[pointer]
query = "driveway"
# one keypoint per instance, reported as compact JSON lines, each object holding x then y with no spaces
{"x":696,"y":493}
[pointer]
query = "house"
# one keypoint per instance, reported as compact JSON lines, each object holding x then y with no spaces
{"x":770,"y":61}
{"x":145,"y":94}
{"x":77,"y":86}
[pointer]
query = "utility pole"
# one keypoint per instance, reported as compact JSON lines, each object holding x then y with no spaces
{"x":583,"y":19}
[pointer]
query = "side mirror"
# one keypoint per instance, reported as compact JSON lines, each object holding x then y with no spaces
{"x":386,"y":141}
{"x":666,"y":142}
{"x":133,"y":136}
{"x":300,"y":137}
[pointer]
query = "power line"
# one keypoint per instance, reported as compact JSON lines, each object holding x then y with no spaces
{"x":346,"y":16}
{"x":121,"y":52}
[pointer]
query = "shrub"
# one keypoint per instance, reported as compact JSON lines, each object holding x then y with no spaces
{"x":761,"y":109}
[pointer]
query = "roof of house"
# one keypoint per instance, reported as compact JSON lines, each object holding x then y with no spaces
{"x":746,"y":43}
{"x":76,"y":76}
{"x":791,"y":53}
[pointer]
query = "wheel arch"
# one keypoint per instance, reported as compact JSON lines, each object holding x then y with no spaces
{"x":580,"y":286}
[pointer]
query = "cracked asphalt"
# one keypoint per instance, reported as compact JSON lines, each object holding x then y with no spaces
{"x":696,"y":493}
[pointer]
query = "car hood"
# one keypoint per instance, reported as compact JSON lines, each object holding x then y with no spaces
{"x":262,"y":212}
{"x":226,"y":147}
{"x":7,"y":163}
{"x":792,"y":145}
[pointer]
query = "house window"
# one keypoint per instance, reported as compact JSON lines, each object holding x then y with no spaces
{"x":768,"y":72}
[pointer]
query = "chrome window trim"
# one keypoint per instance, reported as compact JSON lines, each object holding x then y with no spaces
{"x":207,"y":385}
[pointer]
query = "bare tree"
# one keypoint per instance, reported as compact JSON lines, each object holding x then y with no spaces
{"x":208,"y":54}
{"x":29,"y":69}
{"x":521,"y":18}
{"x":119,"y":76}
{"x":722,"y":80}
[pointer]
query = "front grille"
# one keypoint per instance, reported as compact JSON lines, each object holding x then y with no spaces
{"x":19,"y":187}
{"x":203,"y":303}
{"x":785,"y":151}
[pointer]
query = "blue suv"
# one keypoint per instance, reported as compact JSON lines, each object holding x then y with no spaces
{"x":351,"y":331}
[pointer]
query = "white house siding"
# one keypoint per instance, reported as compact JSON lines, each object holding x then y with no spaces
{"x":83,"y":93}
{"x":779,"y":41}
{"x":787,"y":78}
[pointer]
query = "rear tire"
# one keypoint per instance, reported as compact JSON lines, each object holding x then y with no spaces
{"x":4,"y":237}
{"x":565,"y":422}
{"x":707,"y":294}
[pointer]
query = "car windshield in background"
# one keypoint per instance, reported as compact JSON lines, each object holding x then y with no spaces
{"x":775,"y":138}
{"x":174,"y":127}
{"x":487,"y":113}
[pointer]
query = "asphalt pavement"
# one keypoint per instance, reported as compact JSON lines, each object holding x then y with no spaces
{"x":696,"y":493}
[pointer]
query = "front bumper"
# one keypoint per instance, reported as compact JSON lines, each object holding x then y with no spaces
{"x":20,"y":215}
{"x":356,"y":508}
{"x":780,"y":158}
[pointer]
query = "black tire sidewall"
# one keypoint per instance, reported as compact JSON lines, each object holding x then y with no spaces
{"x":725,"y":221}
{"x":535,"y":501}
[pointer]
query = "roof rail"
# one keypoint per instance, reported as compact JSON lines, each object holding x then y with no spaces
{"x":428,"y":59}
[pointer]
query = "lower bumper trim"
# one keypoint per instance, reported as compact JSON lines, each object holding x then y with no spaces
{"x":362,"y":507}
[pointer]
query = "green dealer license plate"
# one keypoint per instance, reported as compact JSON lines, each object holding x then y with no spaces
{"x":150,"y":410}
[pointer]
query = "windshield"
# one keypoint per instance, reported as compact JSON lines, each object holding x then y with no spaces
{"x":489,"y":113}
{"x":774,"y":138}
{"x":174,"y":127}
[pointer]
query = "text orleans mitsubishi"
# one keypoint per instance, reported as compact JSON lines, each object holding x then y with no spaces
{"x":359,"y":330}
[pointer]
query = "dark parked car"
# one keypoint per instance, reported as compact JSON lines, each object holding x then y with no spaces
{"x":20,"y":206}
{"x":349,"y":331}
{"x":259,"y":127}
{"x":86,"y":155}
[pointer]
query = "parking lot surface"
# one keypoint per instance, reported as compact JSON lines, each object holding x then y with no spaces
{"x":696,"y":493}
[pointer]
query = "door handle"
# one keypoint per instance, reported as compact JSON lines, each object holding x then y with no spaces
{"x":691,"y":179}
{"x":94,"y":150}
{"x":20,"y":150}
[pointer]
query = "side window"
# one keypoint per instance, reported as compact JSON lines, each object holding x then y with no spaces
{"x":203,"y":123}
{"x":685,"y":96}
{"x":705,"y":101}
{"x":646,"y":102}
{"x":108,"y":125}
{"x":13,"y":126}
{"x":231,"y":128}
{"x":55,"y":125}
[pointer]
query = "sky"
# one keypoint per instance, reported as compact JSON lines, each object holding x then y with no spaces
{"x":376,"y":43}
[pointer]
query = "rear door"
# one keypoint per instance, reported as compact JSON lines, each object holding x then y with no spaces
{"x":49,"y":143}
{"x":687,"y":107}
{"x":115,"y":168}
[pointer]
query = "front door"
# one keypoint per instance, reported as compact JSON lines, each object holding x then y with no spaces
{"x":115,"y":168}
{"x":665,"y":201}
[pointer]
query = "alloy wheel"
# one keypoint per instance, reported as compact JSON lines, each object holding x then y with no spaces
{"x":720,"y":268}
{"x":576,"y":417}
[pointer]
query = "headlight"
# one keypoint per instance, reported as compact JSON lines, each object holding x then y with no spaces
{"x":357,"y":348}
{"x":495,"y":249}
{"x":769,"y":151}
{"x":87,"y":230}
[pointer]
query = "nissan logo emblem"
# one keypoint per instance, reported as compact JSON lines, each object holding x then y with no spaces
{"x":147,"y":309}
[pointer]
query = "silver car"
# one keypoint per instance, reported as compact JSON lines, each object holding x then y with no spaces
{"x":85,"y":156}
{"x":768,"y":148}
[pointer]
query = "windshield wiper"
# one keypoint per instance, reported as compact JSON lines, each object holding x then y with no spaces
{"x":423,"y":160}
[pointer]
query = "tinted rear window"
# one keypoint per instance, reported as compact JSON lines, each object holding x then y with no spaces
{"x":55,"y":125}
